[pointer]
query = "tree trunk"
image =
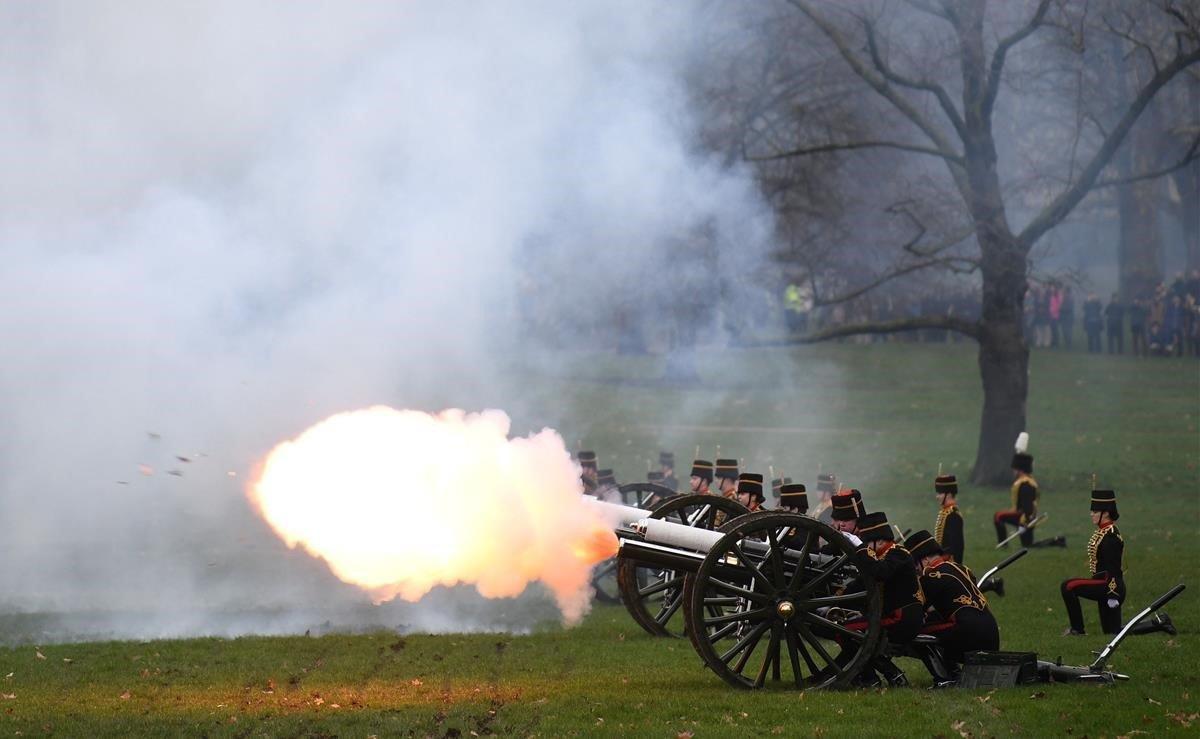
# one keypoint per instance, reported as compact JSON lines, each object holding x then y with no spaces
{"x":1003,"y":360}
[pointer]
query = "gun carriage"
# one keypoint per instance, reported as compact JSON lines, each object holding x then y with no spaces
{"x":766,"y":595}
{"x":643,"y":496}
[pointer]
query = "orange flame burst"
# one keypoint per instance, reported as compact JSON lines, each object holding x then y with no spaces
{"x":397,"y":502}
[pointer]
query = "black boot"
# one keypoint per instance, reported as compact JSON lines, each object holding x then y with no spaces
{"x":993,"y":585}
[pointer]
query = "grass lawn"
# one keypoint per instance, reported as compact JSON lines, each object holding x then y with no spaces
{"x":883,"y":417}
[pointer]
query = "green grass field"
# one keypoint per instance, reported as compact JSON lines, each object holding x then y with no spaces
{"x":883,"y":417}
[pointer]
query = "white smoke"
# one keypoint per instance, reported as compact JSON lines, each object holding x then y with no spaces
{"x":221,"y":222}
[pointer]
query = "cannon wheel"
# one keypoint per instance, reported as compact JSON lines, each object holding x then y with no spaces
{"x":753,"y":614}
{"x":644,"y":494}
{"x":653,"y":595}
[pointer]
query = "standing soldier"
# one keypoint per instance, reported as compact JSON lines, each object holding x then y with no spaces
{"x":964,"y":623}
{"x":606,"y":485}
{"x":587,"y":463}
{"x":726,"y":472}
{"x":1106,"y":584}
{"x":750,"y":491}
{"x":666,"y":462}
{"x":702,"y":476}
{"x":948,"y":530}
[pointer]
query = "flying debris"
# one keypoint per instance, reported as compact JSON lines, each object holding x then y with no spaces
{"x":153,"y":435}
{"x":182,"y":458}
{"x":145,"y":469}
{"x":176,"y":473}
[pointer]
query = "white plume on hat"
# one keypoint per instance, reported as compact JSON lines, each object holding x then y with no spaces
{"x":1022,"y":444}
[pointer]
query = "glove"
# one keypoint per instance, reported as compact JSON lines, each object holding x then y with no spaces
{"x":853,"y":539}
{"x":1113,"y":602}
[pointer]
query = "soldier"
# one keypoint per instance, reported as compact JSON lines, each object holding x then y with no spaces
{"x":1025,"y":496}
{"x":726,"y":471}
{"x":948,"y":530}
{"x":702,"y":476}
{"x":666,"y":462}
{"x":606,"y":485}
{"x":1106,"y":584}
{"x":654,"y":477}
{"x":846,"y":507}
{"x":826,"y":487}
{"x":587,"y":463}
{"x":879,"y":555}
{"x":793,"y":498}
{"x":750,"y":491}
{"x":963,"y":621}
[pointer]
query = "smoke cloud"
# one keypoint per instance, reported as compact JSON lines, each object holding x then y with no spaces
{"x":223,"y":222}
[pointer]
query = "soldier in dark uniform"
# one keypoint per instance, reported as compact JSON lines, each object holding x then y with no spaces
{"x":846,"y":507}
{"x":948,"y":529}
{"x":879,"y":555}
{"x":666,"y":462}
{"x":587,"y":463}
{"x":793,"y":498}
{"x":1106,"y":584}
{"x":826,"y":487}
{"x":960,"y":618}
{"x":726,"y":471}
{"x":750,"y":491}
{"x":702,"y":476}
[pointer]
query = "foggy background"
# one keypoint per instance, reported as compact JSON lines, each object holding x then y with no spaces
{"x":222,"y":222}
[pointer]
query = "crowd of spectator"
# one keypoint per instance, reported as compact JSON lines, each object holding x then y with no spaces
{"x":1165,"y":323}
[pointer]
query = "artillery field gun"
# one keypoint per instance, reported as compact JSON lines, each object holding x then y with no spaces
{"x":775,"y":595}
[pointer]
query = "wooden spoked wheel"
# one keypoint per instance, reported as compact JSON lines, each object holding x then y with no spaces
{"x":653,"y":595}
{"x":779,"y":598}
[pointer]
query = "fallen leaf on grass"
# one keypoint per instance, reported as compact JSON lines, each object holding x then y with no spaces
{"x":125,"y":696}
{"x":983,"y":698}
{"x":415,"y":682}
{"x":1131,"y":733}
{"x":1157,"y":703}
{"x":960,"y":727}
{"x":9,"y":677}
{"x":8,"y":696}
{"x":684,"y":735}
{"x":68,"y":660}
{"x":1039,"y":694}
{"x":1184,"y":720}
{"x":39,"y":654}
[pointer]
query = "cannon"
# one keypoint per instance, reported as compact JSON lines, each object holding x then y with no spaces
{"x":764,"y":596}
{"x":640,"y":496}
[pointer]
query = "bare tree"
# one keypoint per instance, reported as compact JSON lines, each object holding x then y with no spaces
{"x":935,"y":88}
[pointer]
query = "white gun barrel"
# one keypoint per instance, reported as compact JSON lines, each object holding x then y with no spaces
{"x":622,"y":516}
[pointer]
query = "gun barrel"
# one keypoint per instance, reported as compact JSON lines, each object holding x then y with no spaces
{"x":621,"y":515}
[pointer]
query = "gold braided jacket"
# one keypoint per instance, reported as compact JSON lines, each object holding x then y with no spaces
{"x":1093,"y":548}
{"x":939,"y":528}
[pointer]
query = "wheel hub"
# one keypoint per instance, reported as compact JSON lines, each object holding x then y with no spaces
{"x":785,"y":609}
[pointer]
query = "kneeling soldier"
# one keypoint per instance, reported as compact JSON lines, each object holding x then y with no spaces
{"x":963,"y":622}
{"x":793,"y":498}
{"x":727,"y":477}
{"x":1106,"y":585}
{"x":879,"y":555}
{"x":702,"y":476}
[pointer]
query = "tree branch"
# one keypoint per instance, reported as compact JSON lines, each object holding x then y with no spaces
{"x":831,"y":147}
{"x":895,"y":77}
{"x":878,"y":83}
{"x":950,"y":323}
{"x":1191,"y":155}
{"x":1002,"y":49}
{"x":1066,"y":201}
{"x":896,"y":273}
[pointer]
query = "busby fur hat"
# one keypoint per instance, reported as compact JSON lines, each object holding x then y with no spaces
{"x":847,"y":505}
{"x":702,"y":468}
{"x":946,"y":484}
{"x":922,"y":544}
{"x":726,"y":469}
{"x":794,"y":495}
{"x":587,"y":459}
{"x":1022,"y":460}
{"x":1105,"y":500}
{"x":875,"y":527}
{"x":666,"y":459}
{"x":754,"y":487}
